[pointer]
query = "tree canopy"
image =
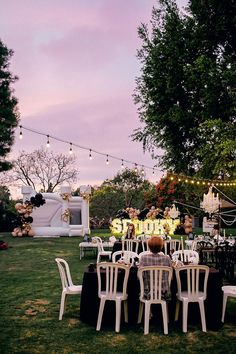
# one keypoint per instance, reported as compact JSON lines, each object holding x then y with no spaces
{"x":186,"y":91}
{"x":44,"y":170}
{"x":8,"y":107}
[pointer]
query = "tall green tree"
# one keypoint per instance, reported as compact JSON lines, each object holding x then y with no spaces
{"x":8,"y":107}
{"x":126,"y":189}
{"x":188,"y":81}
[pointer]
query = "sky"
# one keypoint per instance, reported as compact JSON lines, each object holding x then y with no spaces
{"x":76,"y":62}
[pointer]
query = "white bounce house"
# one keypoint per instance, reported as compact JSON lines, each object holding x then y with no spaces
{"x":62,"y":214}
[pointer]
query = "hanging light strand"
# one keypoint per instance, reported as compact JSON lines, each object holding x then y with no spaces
{"x":85,"y":148}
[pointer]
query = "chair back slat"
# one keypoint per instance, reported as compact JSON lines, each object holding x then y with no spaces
{"x":98,"y":241}
{"x":130,"y":245}
{"x":186,"y":256}
{"x":152,"y":279}
{"x":194,"y":286}
{"x":113,"y":275}
{"x":64,"y":272}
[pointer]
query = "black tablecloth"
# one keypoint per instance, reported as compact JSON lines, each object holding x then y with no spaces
{"x":89,"y":304}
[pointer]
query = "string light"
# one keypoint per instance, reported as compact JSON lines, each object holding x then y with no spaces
{"x":135,"y":168}
{"x":107,"y":160}
{"x":48,"y":142}
{"x":90,"y":154}
{"x":71,"y":150}
{"x":122,"y":164}
{"x":153,"y":172}
{"x":199,"y":182}
{"x":142,"y":171}
{"x":21,"y":134}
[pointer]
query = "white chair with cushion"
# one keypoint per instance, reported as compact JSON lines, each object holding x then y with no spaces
{"x":154,"y":276}
{"x":128,"y":257}
{"x":229,"y":291}
{"x":101,"y":252}
{"x":108,"y":291}
{"x":195,"y":292}
{"x":68,"y":288}
{"x":186,"y":256}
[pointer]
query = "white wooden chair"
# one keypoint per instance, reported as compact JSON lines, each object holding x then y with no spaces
{"x":68,"y":288}
{"x":130,"y":245}
{"x":101,"y":252}
{"x":170,"y":245}
{"x":127,"y":256}
{"x":153,"y":276}
{"x":186,"y":256}
{"x":229,"y":291}
{"x":193,"y":293}
{"x":109,"y":290}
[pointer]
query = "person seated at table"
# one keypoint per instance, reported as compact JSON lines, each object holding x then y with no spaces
{"x":215,"y":234}
{"x":130,"y":233}
{"x":156,"y":258}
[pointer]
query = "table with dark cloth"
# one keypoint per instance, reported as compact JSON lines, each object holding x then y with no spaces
{"x":89,"y":304}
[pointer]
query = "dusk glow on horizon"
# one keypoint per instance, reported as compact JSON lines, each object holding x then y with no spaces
{"x":76,"y":62}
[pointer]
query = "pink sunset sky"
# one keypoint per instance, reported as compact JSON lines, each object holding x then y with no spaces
{"x":76,"y":63}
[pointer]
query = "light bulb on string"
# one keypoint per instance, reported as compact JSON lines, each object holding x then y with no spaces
{"x":153,"y":172}
{"x":48,"y":142}
{"x":90,"y":154}
{"x":21,"y":134}
{"x":142,"y":171}
{"x":71,"y":150}
{"x":122,"y":164}
{"x":135,"y":168}
{"x":107,"y":161}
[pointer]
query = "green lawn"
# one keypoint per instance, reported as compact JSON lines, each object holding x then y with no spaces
{"x":29,"y":309}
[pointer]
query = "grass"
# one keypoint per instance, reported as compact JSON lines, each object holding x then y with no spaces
{"x":29,"y":309}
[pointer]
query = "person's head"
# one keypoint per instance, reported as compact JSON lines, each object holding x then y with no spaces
{"x":155,"y":244}
{"x":131,"y":227}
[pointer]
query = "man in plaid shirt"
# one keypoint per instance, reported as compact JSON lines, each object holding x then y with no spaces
{"x":156,"y":258}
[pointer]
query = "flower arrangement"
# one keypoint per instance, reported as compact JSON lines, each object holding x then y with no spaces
{"x":85,"y":196}
{"x":66,"y":196}
{"x":153,"y":212}
{"x":66,"y":215}
{"x":24,"y":218}
{"x":133,"y":213}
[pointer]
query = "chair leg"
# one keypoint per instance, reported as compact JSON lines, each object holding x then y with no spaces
{"x":100,"y":313}
{"x":62,"y":305}
{"x":164,"y":316}
{"x":185,"y":316}
{"x":146,"y":317}
{"x":224,"y":307}
{"x":118,"y":313}
{"x":98,"y":257}
{"x":140,"y":312}
{"x":203,"y":317}
{"x":126,"y":311}
{"x":177,"y":310}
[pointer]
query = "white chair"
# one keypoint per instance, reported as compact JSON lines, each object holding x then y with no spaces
{"x":153,"y":277}
{"x":170,"y":245}
{"x":193,"y":293}
{"x":68,"y":288}
{"x":130,"y":245}
{"x":229,"y":291}
{"x":128,"y":257}
{"x":109,"y":290}
{"x":145,"y":246}
{"x":186,"y":256}
{"x":101,"y":252}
